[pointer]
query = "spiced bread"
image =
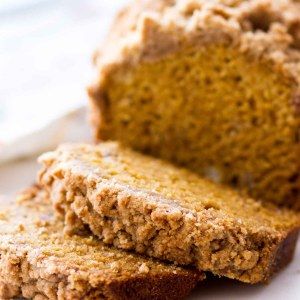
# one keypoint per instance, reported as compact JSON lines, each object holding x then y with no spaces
{"x":140,"y":203}
{"x":38,"y":262}
{"x":210,"y":85}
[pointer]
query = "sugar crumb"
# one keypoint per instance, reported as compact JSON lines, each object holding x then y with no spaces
{"x":21,"y":227}
{"x":41,"y":223}
{"x":144,"y":268}
{"x":3,"y":215}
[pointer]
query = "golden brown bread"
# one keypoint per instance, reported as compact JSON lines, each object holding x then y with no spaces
{"x":211,"y":85}
{"x":137,"y":202}
{"x":38,"y":262}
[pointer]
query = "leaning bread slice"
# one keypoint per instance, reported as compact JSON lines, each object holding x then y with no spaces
{"x":136,"y":202}
{"x":38,"y":262}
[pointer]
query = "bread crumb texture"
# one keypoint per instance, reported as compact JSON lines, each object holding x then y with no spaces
{"x":137,"y":202}
{"x":210,"y":85}
{"x":38,"y":262}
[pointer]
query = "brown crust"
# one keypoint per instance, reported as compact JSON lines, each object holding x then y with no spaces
{"x":99,"y":113}
{"x":171,"y":287}
{"x":285,"y":251}
{"x":30,"y":268}
{"x":164,"y":287}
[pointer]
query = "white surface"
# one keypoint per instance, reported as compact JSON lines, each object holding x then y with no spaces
{"x":45,"y":60}
{"x":285,"y":286}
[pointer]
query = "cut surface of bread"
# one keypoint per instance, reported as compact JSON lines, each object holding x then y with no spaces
{"x":210,"y":85}
{"x":138,"y":202}
{"x":37,"y":261}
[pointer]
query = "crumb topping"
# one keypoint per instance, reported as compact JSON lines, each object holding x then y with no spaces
{"x":157,"y":179}
{"x":149,"y":30}
{"x":33,"y":249}
{"x":147,"y":205}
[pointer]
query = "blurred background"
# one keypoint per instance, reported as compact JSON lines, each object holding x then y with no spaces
{"x":45,"y":65}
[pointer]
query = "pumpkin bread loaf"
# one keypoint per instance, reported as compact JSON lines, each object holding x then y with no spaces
{"x":38,"y":262}
{"x":210,"y":85}
{"x":140,"y":203}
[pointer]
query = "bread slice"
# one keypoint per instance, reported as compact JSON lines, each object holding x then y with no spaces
{"x":210,"y":85}
{"x":38,"y":262}
{"x":137,"y":202}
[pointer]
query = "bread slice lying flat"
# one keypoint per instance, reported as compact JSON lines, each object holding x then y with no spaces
{"x":38,"y":262}
{"x":144,"y":204}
